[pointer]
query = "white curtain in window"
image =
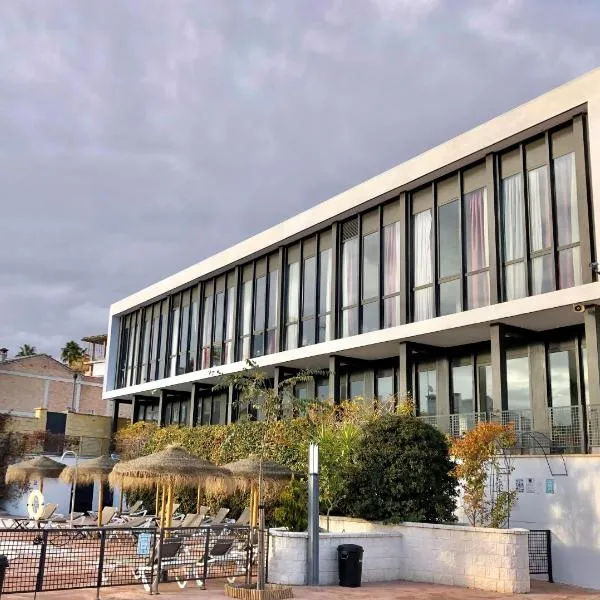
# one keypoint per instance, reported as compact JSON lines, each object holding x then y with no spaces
{"x":293,"y":291}
{"x":566,"y":199}
{"x":422,"y":248}
{"x":539,"y":209}
{"x":350,"y":272}
{"x":514,"y":238}
{"x":422,"y":265}
{"x":391,"y":259}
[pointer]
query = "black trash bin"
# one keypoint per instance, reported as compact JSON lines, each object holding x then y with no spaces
{"x":3,"y":566}
{"x":350,"y":557}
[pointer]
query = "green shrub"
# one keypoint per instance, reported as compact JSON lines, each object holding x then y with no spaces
{"x":402,"y":472}
{"x":292,"y":509}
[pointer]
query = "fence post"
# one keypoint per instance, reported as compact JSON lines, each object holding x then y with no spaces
{"x":249,"y":556}
{"x":100,"y":563}
{"x":206,"y":554}
{"x":549,"y":554}
{"x":158,"y":563}
{"x":39,"y":584}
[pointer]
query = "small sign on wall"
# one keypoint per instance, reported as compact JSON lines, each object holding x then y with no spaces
{"x":550,"y":486}
{"x":520,"y":485}
{"x":530,"y":485}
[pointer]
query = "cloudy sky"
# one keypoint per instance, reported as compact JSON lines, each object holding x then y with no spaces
{"x":139,"y":136}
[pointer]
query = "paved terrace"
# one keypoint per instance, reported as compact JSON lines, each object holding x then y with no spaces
{"x":399,"y":590}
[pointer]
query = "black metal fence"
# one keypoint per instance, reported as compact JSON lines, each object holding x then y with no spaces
{"x":540,"y":552}
{"x":63,"y":559}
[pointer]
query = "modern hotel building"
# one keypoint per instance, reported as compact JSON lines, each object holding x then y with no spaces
{"x":466,"y":276}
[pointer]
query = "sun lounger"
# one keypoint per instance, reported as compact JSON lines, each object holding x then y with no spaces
{"x":174,"y":557}
{"x":218,"y":518}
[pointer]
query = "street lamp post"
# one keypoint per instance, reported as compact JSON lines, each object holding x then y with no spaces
{"x":74,"y":484}
{"x":313,"y":515}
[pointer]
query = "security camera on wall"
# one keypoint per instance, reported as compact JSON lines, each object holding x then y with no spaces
{"x":578,"y":308}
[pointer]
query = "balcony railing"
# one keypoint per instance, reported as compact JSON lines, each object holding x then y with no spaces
{"x":550,"y":430}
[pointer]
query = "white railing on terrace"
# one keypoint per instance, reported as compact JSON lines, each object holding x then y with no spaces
{"x":550,"y":430}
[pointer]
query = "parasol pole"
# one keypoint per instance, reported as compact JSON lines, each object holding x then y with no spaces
{"x":100,"y":501}
{"x":169,"y":514}
{"x":198,"y":499}
{"x":41,"y":485}
{"x":162,"y":506}
{"x":157,"y":500}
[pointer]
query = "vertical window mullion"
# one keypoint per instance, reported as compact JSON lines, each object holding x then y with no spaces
{"x":252,"y":310}
{"x":360,"y":275}
{"x":200,"y":340}
{"x":317,"y":289}
{"x":461,"y":236}
{"x":526,"y":225}
{"x":380,"y":287}
{"x":435,"y":258}
{"x":300,"y":296}
{"x":552,"y":190}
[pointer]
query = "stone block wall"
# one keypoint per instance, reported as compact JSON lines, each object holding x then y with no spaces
{"x":487,"y":559}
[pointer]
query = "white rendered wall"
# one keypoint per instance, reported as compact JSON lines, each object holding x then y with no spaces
{"x":572,"y":512}
{"x":486,"y":559}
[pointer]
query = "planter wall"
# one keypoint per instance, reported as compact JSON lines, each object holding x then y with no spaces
{"x":486,"y":559}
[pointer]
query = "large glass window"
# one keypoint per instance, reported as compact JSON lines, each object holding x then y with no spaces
{"x":207,"y":326}
{"x":426,"y":392}
{"x":370,"y":282}
{"x":462,"y":388}
{"x":350,"y":286}
{"x":245,"y":321}
{"x":230,"y":324}
{"x":423,"y":266}
{"x":384,"y":382}
{"x":324,"y":292}
{"x":449,"y":257}
{"x":540,"y":231}
{"x":154,"y":343}
{"x":212,"y":409}
{"x":517,"y":383}
{"x":176,"y":412}
{"x":272,"y":313}
{"x":391,"y":275}
{"x":260,"y":311}
{"x":174,"y":335}
{"x":476,"y":248}
{"x":309,"y":300}
{"x":513,"y":204}
{"x":147,"y":326}
{"x":123,"y":348}
{"x":484,"y":388}
{"x":219,"y":322}
{"x":569,"y":271}
{"x":322,"y":388}
{"x":293,"y":304}
{"x":563,"y":378}
{"x":185,"y":330}
{"x":194,"y":327}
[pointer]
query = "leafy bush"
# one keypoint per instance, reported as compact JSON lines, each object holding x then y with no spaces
{"x":292,"y":509}
{"x":403,"y":472}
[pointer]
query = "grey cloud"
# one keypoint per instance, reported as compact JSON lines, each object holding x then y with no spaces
{"x":138,"y":137}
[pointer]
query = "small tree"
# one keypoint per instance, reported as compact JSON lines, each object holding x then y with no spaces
{"x":254,"y":385}
{"x":480,"y":467}
{"x":403,"y":472}
{"x":27,"y":350}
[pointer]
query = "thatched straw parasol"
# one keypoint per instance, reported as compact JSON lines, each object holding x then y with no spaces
{"x":169,"y":468}
{"x":34,"y":469}
{"x":247,"y":472}
{"x":91,"y":471}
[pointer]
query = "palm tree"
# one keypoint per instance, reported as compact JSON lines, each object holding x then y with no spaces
{"x":72,"y":354}
{"x":26,"y":350}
